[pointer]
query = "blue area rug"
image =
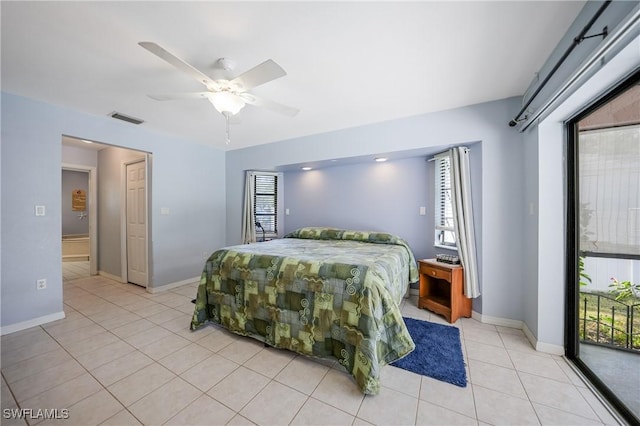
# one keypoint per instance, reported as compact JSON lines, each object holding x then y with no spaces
{"x":438,"y":352}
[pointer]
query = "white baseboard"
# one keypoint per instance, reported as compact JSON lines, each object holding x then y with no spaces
{"x":173,"y":285}
{"x":8,"y":329}
{"x":548,"y":348}
{"x":503,"y":322}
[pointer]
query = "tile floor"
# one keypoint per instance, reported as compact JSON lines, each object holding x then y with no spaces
{"x":123,"y":356}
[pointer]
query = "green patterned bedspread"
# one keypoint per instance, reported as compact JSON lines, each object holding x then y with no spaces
{"x":319,"y":292}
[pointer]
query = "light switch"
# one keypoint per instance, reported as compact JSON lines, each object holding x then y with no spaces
{"x":423,"y":210}
{"x":286,"y":212}
{"x":164,"y":210}
{"x":40,"y":211}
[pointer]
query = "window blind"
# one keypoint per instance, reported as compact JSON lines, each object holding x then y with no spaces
{"x":265,"y":202}
{"x":444,"y":226}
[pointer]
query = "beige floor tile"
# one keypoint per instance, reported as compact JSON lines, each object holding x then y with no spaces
{"x":90,"y":411}
{"x":165,"y":402}
{"x":238,"y":420}
{"x":552,"y":393}
{"x":6,"y":397}
{"x":109,"y":314}
{"x":270,"y":361}
{"x":552,"y":416}
{"x":122,"y":418}
{"x":486,"y":337}
{"x":455,"y":398}
{"x":67,"y":325}
{"x":135,"y":327}
{"x":434,"y":415}
{"x":538,"y":364}
{"x":141,"y":383}
{"x":165,"y":315}
{"x":302,"y":374}
{"x":317,"y":413}
{"x":105,"y":354}
{"x":501,"y":409}
{"x":597,"y":406}
{"x":65,"y":394}
{"x":40,"y":344}
{"x":497,"y":378}
{"x":203,"y":411}
{"x":186,"y":308}
{"x":275,"y":404}
{"x":241,"y":350}
{"x":217,"y":340}
{"x":119,"y":321}
{"x":35,"y":365}
{"x":339,"y":389}
{"x":151,"y":310}
{"x":238,"y":388}
{"x":488,"y":353}
{"x":120,"y":368}
{"x":517,"y":342}
{"x":401,"y":380}
{"x":209,"y":372}
{"x":185,"y":358}
{"x":21,"y":338}
{"x":164,"y":346}
{"x":374,"y":408}
{"x":148,"y":336}
{"x":50,"y":378}
{"x":510,"y":383}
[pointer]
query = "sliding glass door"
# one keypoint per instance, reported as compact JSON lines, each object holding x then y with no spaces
{"x":603,"y":326}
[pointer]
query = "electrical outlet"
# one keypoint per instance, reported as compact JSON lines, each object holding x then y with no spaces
{"x":41,"y":284}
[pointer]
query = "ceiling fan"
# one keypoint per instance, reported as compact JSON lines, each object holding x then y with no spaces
{"x":227,"y":96}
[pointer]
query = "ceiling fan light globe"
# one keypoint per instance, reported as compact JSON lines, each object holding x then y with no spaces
{"x":226,"y":102}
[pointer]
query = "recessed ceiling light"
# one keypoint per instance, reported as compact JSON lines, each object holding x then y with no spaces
{"x":85,"y":141}
{"x":306,"y":168}
{"x":381,"y":159}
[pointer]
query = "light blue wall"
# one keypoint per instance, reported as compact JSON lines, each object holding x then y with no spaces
{"x":501,"y":181}
{"x":186,"y":177}
{"x":383,"y":197}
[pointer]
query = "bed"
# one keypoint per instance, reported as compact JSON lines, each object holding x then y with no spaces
{"x":320,"y":292}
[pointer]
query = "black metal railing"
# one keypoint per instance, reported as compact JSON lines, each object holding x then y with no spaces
{"x":609,"y":322}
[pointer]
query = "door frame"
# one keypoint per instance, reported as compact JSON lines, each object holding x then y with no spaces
{"x":124,"y":260}
{"x":93,"y":211}
{"x":572,"y":278}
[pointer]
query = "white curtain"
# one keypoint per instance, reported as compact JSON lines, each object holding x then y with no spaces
{"x":463,"y":218}
{"x":248,"y":216}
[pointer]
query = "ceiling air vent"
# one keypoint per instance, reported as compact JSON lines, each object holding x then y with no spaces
{"x":126,"y":118}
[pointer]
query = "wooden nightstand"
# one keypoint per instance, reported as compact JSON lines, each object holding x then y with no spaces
{"x":441,"y":289}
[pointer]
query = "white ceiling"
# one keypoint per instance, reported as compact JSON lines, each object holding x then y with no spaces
{"x":348,"y":63}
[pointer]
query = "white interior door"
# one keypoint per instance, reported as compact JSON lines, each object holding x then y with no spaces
{"x":137,"y":272}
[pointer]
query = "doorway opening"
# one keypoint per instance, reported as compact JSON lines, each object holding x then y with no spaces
{"x":79,"y":233}
{"x":110,"y":205}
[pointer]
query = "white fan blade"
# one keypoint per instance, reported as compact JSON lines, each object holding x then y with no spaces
{"x":178,"y":63}
{"x":260,"y":74}
{"x":177,"y":96}
{"x":265,"y":103}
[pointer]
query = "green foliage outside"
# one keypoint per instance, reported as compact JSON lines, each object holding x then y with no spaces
{"x":617,"y":321}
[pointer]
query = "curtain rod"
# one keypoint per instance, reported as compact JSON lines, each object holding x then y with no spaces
{"x":435,"y":156}
{"x":576,"y":41}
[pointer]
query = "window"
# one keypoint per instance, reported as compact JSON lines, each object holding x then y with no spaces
{"x":445,"y":235}
{"x":265,"y":204}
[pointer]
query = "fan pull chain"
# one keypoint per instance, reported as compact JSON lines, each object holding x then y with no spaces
{"x":226,"y":117}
